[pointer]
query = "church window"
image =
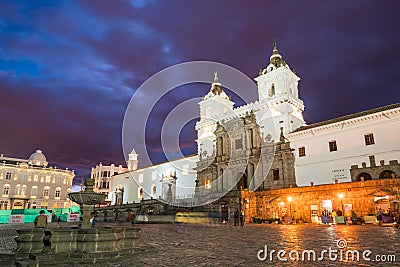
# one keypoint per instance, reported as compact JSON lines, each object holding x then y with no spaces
{"x":332,"y":146}
{"x":369,"y":139}
{"x":302,"y":151}
{"x":208,"y":184}
{"x":271,"y":90}
{"x":238,"y":144}
{"x":275,"y":174}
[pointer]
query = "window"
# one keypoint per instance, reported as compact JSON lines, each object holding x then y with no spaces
{"x":23,"y":177}
{"x":271,"y":91}
{"x":369,"y":139}
{"x":238,"y":144}
{"x":59,"y":180}
{"x":23,"y":190}
{"x":34,"y":191}
{"x":48,"y":178}
{"x":154,"y":191}
{"x":8,"y":175}
{"x":275,"y":174}
{"x":185,"y":169}
{"x":6,"y":190}
{"x":18,"y":190}
{"x":208,"y":184}
{"x":302,"y":151}
{"x":36,"y":178}
{"x":58,"y":193}
{"x":140,"y":178}
{"x":332,"y":146}
{"x":46,"y":192}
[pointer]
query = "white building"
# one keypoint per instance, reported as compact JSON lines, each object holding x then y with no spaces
{"x":102,"y":176}
{"x":169,"y":181}
{"x":31,"y":183}
{"x":326,"y":150}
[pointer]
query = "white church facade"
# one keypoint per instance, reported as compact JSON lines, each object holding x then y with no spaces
{"x":324,"y":152}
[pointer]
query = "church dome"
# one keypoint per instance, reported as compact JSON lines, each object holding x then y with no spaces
{"x":38,"y":158}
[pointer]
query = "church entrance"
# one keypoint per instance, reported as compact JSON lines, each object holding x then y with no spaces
{"x":224,"y":213}
{"x":243,"y":183}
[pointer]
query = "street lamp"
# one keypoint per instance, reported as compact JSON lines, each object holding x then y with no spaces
{"x":290,"y":199}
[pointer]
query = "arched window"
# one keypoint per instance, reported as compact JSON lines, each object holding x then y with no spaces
{"x":387,"y":174}
{"x":271,"y":90}
{"x":366,"y":176}
{"x":154,"y":191}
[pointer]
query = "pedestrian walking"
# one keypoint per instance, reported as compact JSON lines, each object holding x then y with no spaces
{"x":236,"y":217}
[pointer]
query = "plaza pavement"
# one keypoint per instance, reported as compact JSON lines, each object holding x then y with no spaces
{"x":227,"y":245}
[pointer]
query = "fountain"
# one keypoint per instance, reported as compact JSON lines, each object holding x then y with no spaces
{"x":86,"y":199}
{"x":84,"y":243}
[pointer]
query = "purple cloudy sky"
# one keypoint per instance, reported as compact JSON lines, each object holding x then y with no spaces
{"x":68,"y":69}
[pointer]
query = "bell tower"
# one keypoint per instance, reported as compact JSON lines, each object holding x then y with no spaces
{"x":278,"y":87}
{"x":132,"y":160}
{"x":212,"y":105}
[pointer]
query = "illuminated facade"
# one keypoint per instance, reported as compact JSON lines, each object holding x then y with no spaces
{"x":102,"y":178}
{"x":31,"y":183}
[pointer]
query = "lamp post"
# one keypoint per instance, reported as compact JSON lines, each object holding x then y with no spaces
{"x":290,"y":199}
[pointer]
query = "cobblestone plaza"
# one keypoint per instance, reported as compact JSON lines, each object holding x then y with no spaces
{"x":226,"y":245}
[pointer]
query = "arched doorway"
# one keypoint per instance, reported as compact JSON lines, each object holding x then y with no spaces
{"x":366,"y":176}
{"x":243,"y":182}
{"x":224,"y":212}
{"x":387,"y":174}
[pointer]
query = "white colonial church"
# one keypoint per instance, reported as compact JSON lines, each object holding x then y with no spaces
{"x":324,"y":152}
